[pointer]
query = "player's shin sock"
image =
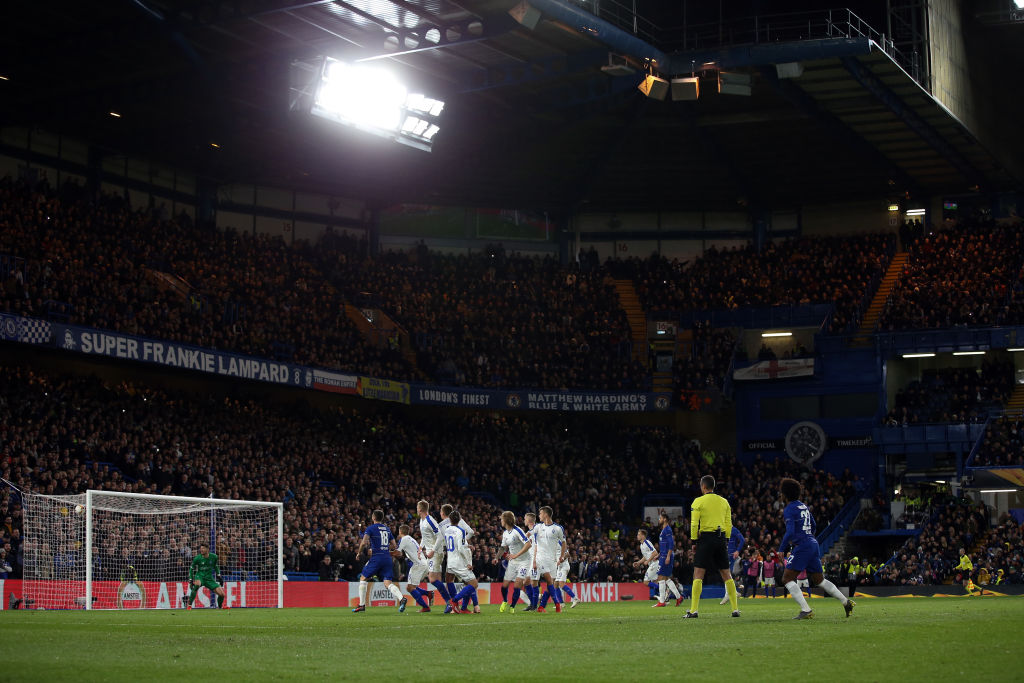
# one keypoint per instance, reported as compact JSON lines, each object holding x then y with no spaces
{"x":192,"y":595}
{"x":569,"y":591}
{"x":830,"y":589}
{"x":220,"y":600}
{"x":798,"y":595}
{"x":673,"y":589}
{"x":515,"y":597}
{"x":397,"y":594}
{"x":730,"y":589}
{"x":662,"y":591}
{"x":504,"y":593}
{"x":653,"y":585}
{"x":451,"y":588}
{"x":545,"y":597}
{"x":556,"y":594}
{"x":439,"y":585}
{"x":364,"y":588}
{"x":417,"y":595}
{"x":534,"y":593}
{"x":698,"y":586}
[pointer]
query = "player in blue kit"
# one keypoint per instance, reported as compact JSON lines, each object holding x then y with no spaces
{"x":381,"y":543}
{"x":804,"y":552}
{"x":736,"y":543}
{"x":666,"y":558}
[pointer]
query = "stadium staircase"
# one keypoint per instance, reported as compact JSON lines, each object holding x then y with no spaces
{"x":378,"y":331}
{"x":1016,"y":402}
{"x":885,"y":288}
{"x":630,"y":303}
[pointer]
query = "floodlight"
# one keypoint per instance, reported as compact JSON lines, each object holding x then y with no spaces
{"x":734,"y":83}
{"x":371,"y":99}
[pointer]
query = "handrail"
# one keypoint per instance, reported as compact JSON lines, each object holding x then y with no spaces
{"x":849,"y":511}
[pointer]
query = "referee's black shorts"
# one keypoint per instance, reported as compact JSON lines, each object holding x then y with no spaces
{"x":712,"y":551}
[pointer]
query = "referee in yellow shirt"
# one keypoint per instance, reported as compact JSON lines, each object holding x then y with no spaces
{"x":710,"y":528}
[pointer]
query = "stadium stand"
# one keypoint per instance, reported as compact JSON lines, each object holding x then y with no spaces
{"x":953,"y":394}
{"x":1003,"y":445}
{"x":839,"y":270}
{"x":66,"y":434}
{"x":931,"y":557}
{"x":105,"y":265}
{"x":969,"y":276}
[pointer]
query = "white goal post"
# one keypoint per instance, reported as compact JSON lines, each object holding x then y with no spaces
{"x":114,"y":550}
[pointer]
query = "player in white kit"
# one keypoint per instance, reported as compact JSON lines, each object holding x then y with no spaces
{"x":454,"y":540}
{"x":562,"y":579}
{"x":532,"y":587}
{"x":517,"y":546}
{"x":416,"y":566}
{"x":649,"y":557}
{"x":429,"y":531}
{"x":465,"y":550}
{"x":549,"y":551}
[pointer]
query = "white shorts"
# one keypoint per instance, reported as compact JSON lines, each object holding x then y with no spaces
{"x":517,"y":569}
{"x":769,"y":581}
{"x":462,"y":574}
{"x":417,"y":571}
{"x":546,"y":565}
{"x":652,"y":572}
{"x":562,"y":572}
{"x":435,"y":563}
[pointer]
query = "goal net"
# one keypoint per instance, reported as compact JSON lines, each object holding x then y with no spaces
{"x":112,"y":550}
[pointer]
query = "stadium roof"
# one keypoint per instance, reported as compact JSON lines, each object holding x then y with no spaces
{"x":532,"y":119}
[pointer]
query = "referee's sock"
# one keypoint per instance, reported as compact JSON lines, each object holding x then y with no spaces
{"x":698,"y":586}
{"x":730,"y":589}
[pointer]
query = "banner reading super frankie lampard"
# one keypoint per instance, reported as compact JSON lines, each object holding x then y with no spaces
{"x":169,"y":354}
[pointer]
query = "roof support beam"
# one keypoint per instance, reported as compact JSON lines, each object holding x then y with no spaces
{"x":843,"y":133}
{"x":913,"y":120}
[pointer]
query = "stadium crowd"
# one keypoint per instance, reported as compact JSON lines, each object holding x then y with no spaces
{"x":1003,"y":444}
{"x":963,"y":277}
{"x":839,"y":270}
{"x":63,"y":435}
{"x":98,"y":264}
{"x":494,"y":319}
{"x":959,"y":525}
{"x":953,"y":394}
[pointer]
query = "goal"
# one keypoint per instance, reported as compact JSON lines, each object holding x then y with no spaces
{"x":112,"y":550}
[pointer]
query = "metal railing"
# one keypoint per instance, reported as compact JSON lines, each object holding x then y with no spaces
{"x":752,"y":30}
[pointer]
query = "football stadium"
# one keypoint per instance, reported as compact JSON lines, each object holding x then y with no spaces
{"x":611,"y":337}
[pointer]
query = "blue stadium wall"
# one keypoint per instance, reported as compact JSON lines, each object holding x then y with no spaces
{"x":845,"y":397}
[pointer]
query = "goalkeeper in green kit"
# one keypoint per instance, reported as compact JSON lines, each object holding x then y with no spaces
{"x":203,"y":572}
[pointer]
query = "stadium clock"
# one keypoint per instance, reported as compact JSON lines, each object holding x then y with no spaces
{"x":805,"y":442}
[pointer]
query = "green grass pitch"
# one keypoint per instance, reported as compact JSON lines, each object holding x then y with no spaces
{"x":910,"y":639}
